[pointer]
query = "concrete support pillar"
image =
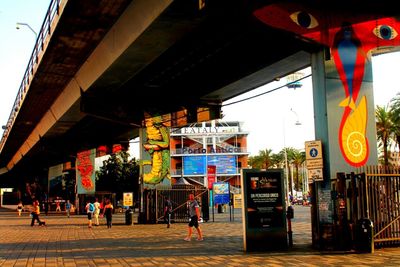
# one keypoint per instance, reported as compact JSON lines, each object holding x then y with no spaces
{"x":344,"y":122}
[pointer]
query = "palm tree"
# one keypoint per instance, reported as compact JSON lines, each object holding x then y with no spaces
{"x":287,"y":154}
{"x":298,"y":159}
{"x":395,"y":117}
{"x":384,"y":129}
{"x":266,"y":156}
{"x":264,"y":160}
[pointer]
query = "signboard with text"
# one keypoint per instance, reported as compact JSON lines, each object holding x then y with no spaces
{"x":194,"y":165}
{"x":226,"y":164}
{"x":314,"y":160}
{"x":221,"y":193}
{"x":128,"y":199}
{"x":264,"y":209}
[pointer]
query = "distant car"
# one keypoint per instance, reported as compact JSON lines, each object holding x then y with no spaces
{"x":299,"y":201}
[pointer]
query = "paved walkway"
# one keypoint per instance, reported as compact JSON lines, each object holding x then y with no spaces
{"x":69,"y":242}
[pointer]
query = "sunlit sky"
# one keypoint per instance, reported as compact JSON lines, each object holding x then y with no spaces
{"x":269,"y":119}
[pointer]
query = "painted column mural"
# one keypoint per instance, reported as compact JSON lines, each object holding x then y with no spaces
{"x":351,"y":38}
{"x":85,"y":174}
{"x":155,"y":150}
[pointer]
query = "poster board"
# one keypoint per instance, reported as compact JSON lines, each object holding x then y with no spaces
{"x":221,"y":193}
{"x":264,"y":210}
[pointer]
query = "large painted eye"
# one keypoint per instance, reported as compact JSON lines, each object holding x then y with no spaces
{"x":304,"y":19}
{"x":385,"y":32}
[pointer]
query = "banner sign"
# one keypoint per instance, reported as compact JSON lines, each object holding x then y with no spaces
{"x":221,"y":193}
{"x":211,"y":175}
{"x":85,"y":175}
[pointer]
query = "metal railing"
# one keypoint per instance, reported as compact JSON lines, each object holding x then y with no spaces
{"x":200,"y":151}
{"x":178,"y":172}
{"x":40,"y":46}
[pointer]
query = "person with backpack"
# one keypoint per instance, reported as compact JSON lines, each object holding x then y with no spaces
{"x":89,"y":210}
{"x":68,"y":208}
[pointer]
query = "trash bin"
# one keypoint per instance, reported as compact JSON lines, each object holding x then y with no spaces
{"x":129,"y":217}
{"x":364,"y":236}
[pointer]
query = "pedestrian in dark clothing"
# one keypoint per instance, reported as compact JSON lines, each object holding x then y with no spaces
{"x":108,"y":210}
{"x":168,"y":212}
{"x":46,"y":208}
{"x":194,"y":213}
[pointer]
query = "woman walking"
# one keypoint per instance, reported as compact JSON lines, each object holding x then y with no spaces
{"x":19,"y":208}
{"x":108,"y":210}
{"x":35,"y":214}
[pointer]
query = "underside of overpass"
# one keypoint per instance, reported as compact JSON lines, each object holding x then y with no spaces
{"x":107,"y":62}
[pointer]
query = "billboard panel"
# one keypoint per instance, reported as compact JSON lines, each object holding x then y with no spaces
{"x":264,"y":210}
{"x":194,"y":165}
{"x":226,"y":164}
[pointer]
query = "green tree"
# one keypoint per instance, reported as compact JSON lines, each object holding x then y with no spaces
{"x":298,"y":158}
{"x":385,"y":129}
{"x":395,"y":117}
{"x":265,"y":160}
{"x":118,"y":174}
{"x":255,"y":162}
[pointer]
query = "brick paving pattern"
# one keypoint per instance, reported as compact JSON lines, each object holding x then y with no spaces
{"x":69,"y":242}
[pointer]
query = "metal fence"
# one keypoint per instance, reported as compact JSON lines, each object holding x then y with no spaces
{"x":373,"y":194}
{"x":154,"y":202}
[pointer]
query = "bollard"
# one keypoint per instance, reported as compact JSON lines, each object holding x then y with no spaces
{"x":290,"y":216}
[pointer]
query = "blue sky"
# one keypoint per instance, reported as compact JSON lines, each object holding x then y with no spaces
{"x":16,"y":46}
{"x":269,"y":119}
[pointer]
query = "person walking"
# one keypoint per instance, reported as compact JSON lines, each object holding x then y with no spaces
{"x":108,"y":210}
{"x":58,"y":206}
{"x":35,"y":214}
{"x":96,"y":212}
{"x":194,"y":213}
{"x":19,"y":208}
{"x":168,"y":212}
{"x":46,"y":207}
{"x":89,"y":210}
{"x":68,"y":208}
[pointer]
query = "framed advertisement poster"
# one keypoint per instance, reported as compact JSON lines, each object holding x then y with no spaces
{"x":264,"y":210}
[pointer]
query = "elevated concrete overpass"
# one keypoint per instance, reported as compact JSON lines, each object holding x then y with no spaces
{"x":99,"y":65}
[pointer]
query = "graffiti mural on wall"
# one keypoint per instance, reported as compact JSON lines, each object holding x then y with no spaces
{"x":351,"y":40}
{"x":85,"y":175}
{"x":156,"y":144}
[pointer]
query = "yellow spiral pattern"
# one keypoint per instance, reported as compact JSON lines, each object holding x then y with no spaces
{"x":354,"y":141}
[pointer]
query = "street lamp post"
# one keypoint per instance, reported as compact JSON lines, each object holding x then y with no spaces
{"x":297,"y":123}
{"x":19,"y":24}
